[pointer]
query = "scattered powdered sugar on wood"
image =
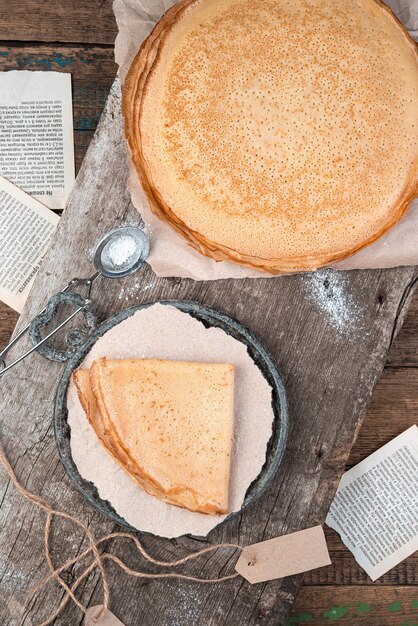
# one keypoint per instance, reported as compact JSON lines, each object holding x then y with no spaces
{"x":131,"y":292}
{"x":186,"y":607}
{"x":329,"y":291}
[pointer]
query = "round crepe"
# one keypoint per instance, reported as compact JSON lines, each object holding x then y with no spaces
{"x":278,"y":135}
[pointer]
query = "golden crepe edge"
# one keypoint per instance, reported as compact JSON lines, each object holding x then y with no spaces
{"x":147,"y":482}
{"x":88,"y":386}
{"x":106,"y":435}
{"x":180,"y":495}
{"x":135,"y":84}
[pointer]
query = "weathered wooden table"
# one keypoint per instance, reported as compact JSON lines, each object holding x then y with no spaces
{"x":329,"y":334}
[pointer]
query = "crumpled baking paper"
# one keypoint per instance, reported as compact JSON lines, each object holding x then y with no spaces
{"x":164,"y":332}
{"x":170,"y":254}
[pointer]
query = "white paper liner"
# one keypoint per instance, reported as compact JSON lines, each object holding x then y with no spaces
{"x":164,"y":332}
{"x":170,"y":254}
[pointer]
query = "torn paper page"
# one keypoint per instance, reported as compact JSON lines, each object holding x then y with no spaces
{"x":26,"y":227}
{"x":36,"y":130}
{"x":170,"y":254}
{"x":375,"y":509}
{"x":164,"y":332}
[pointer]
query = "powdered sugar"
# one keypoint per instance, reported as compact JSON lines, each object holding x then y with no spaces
{"x":121,"y":250}
{"x":186,"y":607}
{"x":131,"y":292}
{"x":328,"y":290}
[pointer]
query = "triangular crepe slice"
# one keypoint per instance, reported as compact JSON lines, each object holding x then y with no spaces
{"x":175,"y":421}
{"x":88,"y":402}
{"x":105,"y":431}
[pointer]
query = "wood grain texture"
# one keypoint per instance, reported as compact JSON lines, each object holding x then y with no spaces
{"x":344,"y":570}
{"x":393,"y":409}
{"x":82,"y":139}
{"x":89,"y":21}
{"x":8,"y":319}
{"x":92,"y":69}
{"x":393,"y":406}
{"x":389,"y":606}
{"x":404,"y":352}
{"x":329,"y":365}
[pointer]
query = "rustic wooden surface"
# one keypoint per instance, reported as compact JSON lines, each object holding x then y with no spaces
{"x":92,"y":69}
{"x":58,"y":20}
{"x":335,"y":594}
{"x":386,"y":606}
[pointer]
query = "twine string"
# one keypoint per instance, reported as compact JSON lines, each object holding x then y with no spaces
{"x":67,"y":596}
{"x":144,"y":553}
{"x":99,"y":559}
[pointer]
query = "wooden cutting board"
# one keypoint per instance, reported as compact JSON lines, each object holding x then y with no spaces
{"x":329,"y":333}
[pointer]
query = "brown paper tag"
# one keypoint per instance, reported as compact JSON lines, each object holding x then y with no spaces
{"x":284,"y":556}
{"x":108,"y":619}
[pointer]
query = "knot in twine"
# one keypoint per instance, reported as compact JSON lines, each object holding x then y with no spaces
{"x":99,"y":558}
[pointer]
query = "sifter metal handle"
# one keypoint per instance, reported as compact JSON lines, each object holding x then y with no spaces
{"x":87,"y":302}
{"x":26,"y":328}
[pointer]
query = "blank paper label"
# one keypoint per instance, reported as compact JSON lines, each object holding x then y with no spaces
{"x":107,"y":620}
{"x":284,"y":556}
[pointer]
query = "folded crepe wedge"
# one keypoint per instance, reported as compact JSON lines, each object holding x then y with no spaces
{"x":169,"y":425}
{"x":108,"y":436}
{"x":262,"y":141}
{"x":175,"y":422}
{"x":103,"y":428}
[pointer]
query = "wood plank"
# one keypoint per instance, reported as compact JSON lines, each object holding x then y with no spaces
{"x":397,"y":388}
{"x":389,"y":606}
{"x":329,"y":370}
{"x":393,"y":409}
{"x":404,"y":351}
{"x":8,"y":319}
{"x":59,"y":20}
{"x":344,"y":570}
{"x":82,"y":140}
{"x":92,"y":69}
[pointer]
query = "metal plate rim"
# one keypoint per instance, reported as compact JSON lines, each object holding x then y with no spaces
{"x":212,"y":317}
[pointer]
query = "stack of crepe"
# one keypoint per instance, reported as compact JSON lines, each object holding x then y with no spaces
{"x":167,"y":423}
{"x":279,"y":135}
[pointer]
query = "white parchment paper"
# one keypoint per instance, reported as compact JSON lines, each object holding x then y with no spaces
{"x":170,"y":254}
{"x":164,"y":332}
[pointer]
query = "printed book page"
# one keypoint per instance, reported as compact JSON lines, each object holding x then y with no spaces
{"x":26,"y":227}
{"x":36,"y":134}
{"x":375,"y":509}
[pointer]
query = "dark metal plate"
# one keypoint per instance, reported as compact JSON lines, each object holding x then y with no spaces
{"x":209,"y":317}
